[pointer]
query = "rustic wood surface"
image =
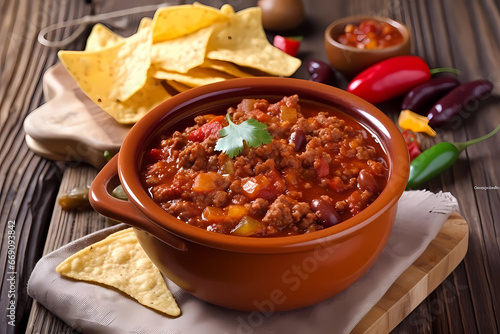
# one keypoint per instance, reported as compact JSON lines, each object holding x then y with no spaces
{"x":440,"y":258}
{"x":458,"y":33}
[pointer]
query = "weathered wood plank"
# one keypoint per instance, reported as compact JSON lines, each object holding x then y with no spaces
{"x":28,"y":184}
{"x":65,"y":226}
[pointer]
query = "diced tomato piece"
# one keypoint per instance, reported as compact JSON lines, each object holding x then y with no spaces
{"x":253,"y":187}
{"x":368,"y":26}
{"x":277,"y":182}
{"x":262,"y":116}
{"x":207,"y":130}
{"x":155,"y":154}
{"x":288,"y":45}
{"x":322,"y":168}
{"x":336,"y":184}
{"x":265,"y":186}
{"x":246,"y":105}
{"x":355,"y":202}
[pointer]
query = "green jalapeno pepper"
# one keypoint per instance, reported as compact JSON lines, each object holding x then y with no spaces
{"x":438,"y":158}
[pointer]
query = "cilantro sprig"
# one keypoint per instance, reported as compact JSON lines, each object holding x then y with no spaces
{"x":233,"y":136}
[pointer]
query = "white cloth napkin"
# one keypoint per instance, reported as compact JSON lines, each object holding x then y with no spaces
{"x":91,"y":308}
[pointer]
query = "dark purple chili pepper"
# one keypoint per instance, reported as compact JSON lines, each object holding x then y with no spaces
{"x":428,"y":92}
{"x":449,"y":105}
{"x":320,"y":71}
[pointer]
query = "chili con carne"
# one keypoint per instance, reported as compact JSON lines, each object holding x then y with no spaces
{"x":320,"y":168}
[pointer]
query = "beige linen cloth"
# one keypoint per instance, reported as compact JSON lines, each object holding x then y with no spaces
{"x":91,"y":308}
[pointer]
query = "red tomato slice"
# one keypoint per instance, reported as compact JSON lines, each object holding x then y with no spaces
{"x":288,"y":45}
{"x":209,"y":129}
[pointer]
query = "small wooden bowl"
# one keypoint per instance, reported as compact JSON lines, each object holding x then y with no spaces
{"x":350,"y":60}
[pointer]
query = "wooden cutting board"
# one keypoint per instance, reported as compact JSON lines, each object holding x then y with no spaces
{"x":69,"y":126}
{"x":440,"y":258}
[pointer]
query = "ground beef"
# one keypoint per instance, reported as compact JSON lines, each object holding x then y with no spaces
{"x":279,"y":213}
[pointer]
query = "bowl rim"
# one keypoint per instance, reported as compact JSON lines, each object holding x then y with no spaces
{"x":349,"y":19}
{"x":141,"y":132}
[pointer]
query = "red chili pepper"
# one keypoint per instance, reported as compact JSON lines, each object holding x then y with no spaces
{"x":412,"y":143}
{"x":206,"y":130}
{"x":392,"y":77}
{"x":288,"y":45}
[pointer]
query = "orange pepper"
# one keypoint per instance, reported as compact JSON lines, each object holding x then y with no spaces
{"x":408,"y":120}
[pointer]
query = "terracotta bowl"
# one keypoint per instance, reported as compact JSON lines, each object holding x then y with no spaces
{"x":350,"y":60}
{"x":245,"y":273}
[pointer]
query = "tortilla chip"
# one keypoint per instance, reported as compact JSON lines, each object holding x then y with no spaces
{"x":119,"y":262}
{"x":195,"y":77}
{"x":226,"y":67}
{"x":135,"y":107}
{"x":183,"y":53}
{"x":113,"y":73}
{"x":101,"y":37}
{"x":180,"y":87}
{"x":146,"y":22}
{"x":242,"y":40}
{"x":175,"y":21}
{"x":182,"y":46}
{"x":226,"y":9}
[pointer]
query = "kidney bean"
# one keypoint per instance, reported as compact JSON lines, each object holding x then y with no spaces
{"x":299,"y":139}
{"x":366,"y":181}
{"x":320,"y":71}
{"x":325,"y":212}
{"x":449,"y":105}
{"x":428,"y":92}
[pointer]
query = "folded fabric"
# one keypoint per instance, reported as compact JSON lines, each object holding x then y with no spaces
{"x":92,"y":308}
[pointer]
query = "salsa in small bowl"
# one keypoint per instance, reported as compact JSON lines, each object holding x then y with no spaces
{"x":357,"y":42}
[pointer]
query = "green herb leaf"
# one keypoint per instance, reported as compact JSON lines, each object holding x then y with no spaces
{"x":107,"y":155}
{"x":233,"y":136}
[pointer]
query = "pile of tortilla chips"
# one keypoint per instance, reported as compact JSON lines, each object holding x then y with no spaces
{"x":119,"y":261}
{"x":181,"y":47}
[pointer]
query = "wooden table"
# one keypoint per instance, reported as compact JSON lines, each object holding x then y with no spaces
{"x":462,"y":34}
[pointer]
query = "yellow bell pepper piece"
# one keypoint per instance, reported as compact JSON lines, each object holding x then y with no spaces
{"x":408,"y":120}
{"x":288,"y":114}
{"x":247,"y":226}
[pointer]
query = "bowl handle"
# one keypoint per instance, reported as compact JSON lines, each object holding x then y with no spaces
{"x":103,"y":202}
